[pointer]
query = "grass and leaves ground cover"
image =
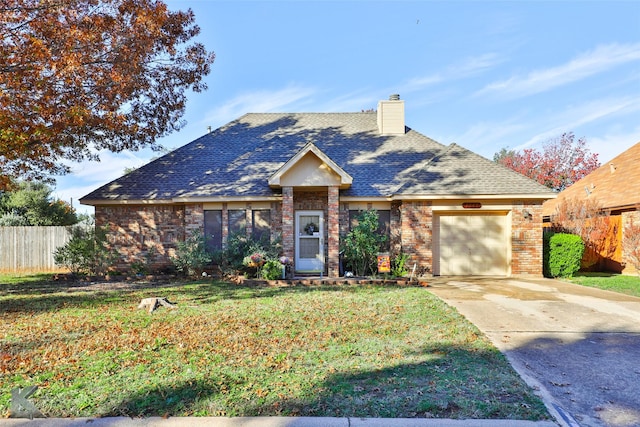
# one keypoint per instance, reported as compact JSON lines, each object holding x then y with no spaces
{"x":624,"y":284}
{"x":229,"y":350}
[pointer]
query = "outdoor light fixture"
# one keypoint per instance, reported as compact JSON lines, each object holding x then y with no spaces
{"x":527,"y":214}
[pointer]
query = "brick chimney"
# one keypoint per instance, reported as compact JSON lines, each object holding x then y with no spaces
{"x":391,"y":116}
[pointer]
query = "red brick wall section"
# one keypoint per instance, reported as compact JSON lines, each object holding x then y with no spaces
{"x":526,"y":238}
{"x":344,"y":219}
{"x":276,"y":220}
{"x":395,"y":238}
{"x":248,"y":220}
{"x":141,"y":232}
{"x":225,"y":224}
{"x":333,"y":232}
{"x":193,"y":218}
{"x":287,"y":222}
{"x":416,"y":233}
{"x":310,"y":200}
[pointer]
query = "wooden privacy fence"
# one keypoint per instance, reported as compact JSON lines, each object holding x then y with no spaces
{"x":30,"y":249}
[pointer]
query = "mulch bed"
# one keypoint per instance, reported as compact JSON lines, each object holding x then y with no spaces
{"x":92,"y":283}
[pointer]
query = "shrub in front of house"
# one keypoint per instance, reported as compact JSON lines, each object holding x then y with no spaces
{"x":562,"y":253}
{"x":362,"y":245}
{"x":271,"y":270}
{"x":247,"y":256}
{"x":191,"y":255}
{"x":399,"y":265}
{"x":87,"y":252}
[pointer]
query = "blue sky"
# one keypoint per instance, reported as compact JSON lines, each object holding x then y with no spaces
{"x":484,"y":75}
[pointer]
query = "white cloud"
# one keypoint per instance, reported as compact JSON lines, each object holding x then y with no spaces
{"x":612,"y":144}
{"x":110,"y":166}
{"x":73,"y":194}
{"x":600,"y":59}
{"x":575,"y":117}
{"x":476,"y":64}
{"x":463,"y":69}
{"x":261,"y":101}
{"x":357,"y":100}
{"x":88,"y":175}
{"x":486,"y":138}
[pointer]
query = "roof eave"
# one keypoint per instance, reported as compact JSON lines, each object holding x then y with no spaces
{"x":511,"y":196}
{"x":100,"y":202}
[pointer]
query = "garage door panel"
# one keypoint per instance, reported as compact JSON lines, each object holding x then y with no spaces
{"x":473,"y":244}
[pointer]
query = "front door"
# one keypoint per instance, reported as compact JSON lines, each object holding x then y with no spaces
{"x":309,"y":241}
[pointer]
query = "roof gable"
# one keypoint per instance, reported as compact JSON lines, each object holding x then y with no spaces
{"x":310,"y":167}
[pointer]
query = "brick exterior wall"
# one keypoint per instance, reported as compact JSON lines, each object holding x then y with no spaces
{"x":276,"y":221}
{"x":193,"y":218}
{"x":344,"y":219}
{"x":416,"y":233}
{"x":140,"y":232}
{"x":225,"y":223}
{"x":526,"y":238}
{"x":395,"y":238}
{"x":287,"y":223}
{"x":333,"y":232}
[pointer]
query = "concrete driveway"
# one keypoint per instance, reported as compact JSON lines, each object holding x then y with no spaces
{"x":578,"y":346}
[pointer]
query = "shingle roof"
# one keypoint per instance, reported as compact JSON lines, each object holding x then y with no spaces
{"x":615,"y":184}
{"x":238,"y":159}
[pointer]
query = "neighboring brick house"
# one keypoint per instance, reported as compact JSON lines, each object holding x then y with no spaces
{"x":615,"y":186}
{"x":454,"y":212}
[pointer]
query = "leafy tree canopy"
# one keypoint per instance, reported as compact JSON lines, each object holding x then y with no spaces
{"x":30,"y":203}
{"x":561,"y":162}
{"x":79,"y":76}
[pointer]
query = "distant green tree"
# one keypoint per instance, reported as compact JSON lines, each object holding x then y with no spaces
{"x":31,"y":203}
{"x":13,"y":220}
{"x":504,"y":153}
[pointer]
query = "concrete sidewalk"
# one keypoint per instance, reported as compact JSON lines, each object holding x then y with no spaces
{"x":266,"y":422}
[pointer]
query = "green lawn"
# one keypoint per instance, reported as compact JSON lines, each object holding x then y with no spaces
{"x":229,"y":350}
{"x":629,"y":285}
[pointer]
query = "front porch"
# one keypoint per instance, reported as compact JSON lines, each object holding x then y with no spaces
{"x":308,"y":174}
{"x":313,"y":252}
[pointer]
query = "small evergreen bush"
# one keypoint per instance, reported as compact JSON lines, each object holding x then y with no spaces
{"x":191,"y":255}
{"x":362,"y":245}
{"x":87,"y":252}
{"x":271,"y":270}
{"x":236,"y":257}
{"x":562,"y":253}
{"x":399,"y":265}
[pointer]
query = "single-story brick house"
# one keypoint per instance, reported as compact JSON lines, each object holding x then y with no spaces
{"x":615,"y":186}
{"x":453,"y":211}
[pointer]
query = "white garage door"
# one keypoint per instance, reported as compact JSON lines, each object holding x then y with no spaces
{"x":472,"y":245}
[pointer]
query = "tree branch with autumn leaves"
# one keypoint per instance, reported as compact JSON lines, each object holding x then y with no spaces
{"x":89,"y":75}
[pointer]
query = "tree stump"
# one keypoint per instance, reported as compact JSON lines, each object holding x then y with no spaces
{"x":152,"y":303}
